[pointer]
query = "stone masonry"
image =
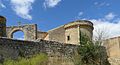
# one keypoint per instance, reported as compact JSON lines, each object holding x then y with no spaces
{"x":10,"y":48}
{"x":30,"y":31}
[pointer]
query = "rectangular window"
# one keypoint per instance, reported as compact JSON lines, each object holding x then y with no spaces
{"x":68,"y":38}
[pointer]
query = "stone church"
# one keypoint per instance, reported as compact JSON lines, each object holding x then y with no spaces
{"x":68,"y":34}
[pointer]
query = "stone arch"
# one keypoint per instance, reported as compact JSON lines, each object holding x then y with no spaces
{"x":15,"y":30}
{"x":29,"y":30}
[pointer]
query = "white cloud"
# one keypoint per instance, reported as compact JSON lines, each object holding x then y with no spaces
{"x":80,"y":13}
{"x":22,"y":8}
{"x":51,"y":3}
{"x":112,"y":29}
{"x":95,"y":3}
{"x":2,"y":5}
{"x":100,"y":4}
{"x":110,"y":16}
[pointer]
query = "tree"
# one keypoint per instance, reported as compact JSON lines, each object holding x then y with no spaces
{"x":91,"y":53}
{"x":100,"y":37}
{"x":100,"y":34}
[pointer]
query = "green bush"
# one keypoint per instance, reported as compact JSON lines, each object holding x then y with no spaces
{"x":90,"y":53}
{"x":35,"y":60}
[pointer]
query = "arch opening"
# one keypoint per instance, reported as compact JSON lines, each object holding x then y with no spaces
{"x":18,"y":34}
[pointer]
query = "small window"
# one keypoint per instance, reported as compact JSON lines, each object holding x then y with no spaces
{"x":68,"y":38}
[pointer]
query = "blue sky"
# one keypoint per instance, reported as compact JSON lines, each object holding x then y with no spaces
{"x":49,"y":14}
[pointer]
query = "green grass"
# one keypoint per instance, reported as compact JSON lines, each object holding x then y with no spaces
{"x":38,"y":59}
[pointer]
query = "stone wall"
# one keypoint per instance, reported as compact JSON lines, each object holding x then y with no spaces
{"x":56,"y":51}
{"x":30,"y":31}
{"x":113,"y":50}
{"x":113,"y":47}
{"x":74,"y":28}
{"x":73,"y":34}
{"x":41,"y":35}
{"x":57,"y":34}
{"x":114,"y":60}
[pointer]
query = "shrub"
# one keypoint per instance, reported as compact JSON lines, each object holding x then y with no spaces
{"x":35,"y":60}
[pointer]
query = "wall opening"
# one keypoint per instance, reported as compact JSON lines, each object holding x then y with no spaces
{"x":68,"y":38}
{"x":18,"y":35}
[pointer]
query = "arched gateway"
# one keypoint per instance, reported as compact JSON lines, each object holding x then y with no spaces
{"x":30,"y":31}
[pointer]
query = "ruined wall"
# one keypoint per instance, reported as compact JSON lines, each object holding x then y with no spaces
{"x":56,"y":51}
{"x":113,"y":47}
{"x":113,"y":50}
{"x":57,"y":34}
{"x":30,"y":31}
{"x":41,"y":35}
